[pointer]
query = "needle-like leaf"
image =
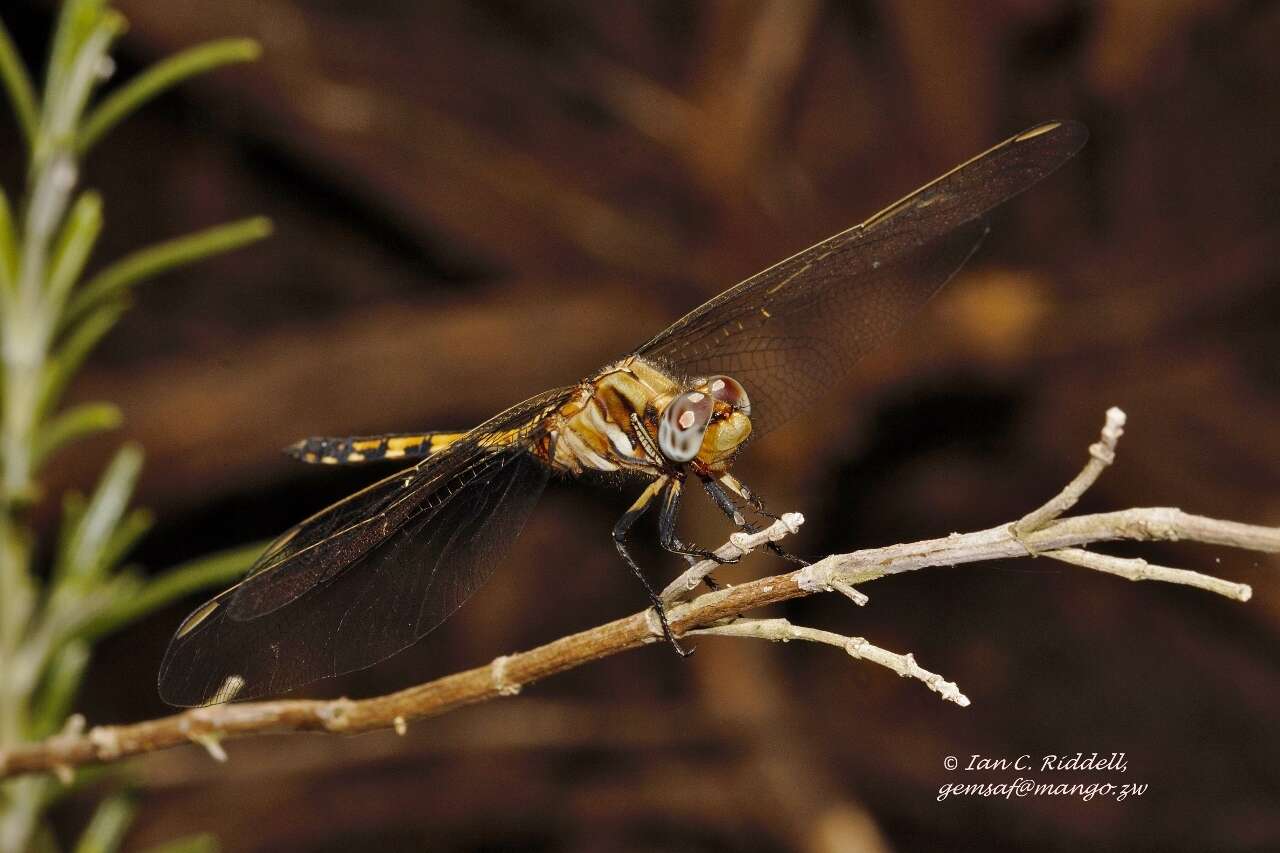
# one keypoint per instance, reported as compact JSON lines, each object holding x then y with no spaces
{"x":162,"y":257}
{"x":88,"y":543}
{"x":106,"y":829}
{"x":159,"y":78}
{"x":66,"y":360}
{"x":79,"y":234}
{"x":8,"y":246}
{"x":22,"y":94}
{"x":214,"y":570}
{"x":58,"y":691}
{"x":75,"y":423}
{"x":127,"y":533}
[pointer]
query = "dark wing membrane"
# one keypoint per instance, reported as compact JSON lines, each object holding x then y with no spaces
{"x":788,"y":332}
{"x":362,"y":580}
{"x":324,"y":545}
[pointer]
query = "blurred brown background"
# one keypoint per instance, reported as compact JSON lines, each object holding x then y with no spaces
{"x":478,"y":200}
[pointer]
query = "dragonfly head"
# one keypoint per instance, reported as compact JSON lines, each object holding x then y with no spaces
{"x":709,"y":422}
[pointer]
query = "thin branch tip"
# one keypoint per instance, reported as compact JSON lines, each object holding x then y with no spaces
{"x":1102,"y":454}
{"x":1138,"y":569}
{"x":212,"y":744}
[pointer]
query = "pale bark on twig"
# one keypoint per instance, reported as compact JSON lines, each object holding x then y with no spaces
{"x":1101,"y":454}
{"x":859,"y":648}
{"x":1040,"y":532}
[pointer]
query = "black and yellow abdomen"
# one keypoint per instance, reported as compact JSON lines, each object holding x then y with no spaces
{"x":352,"y":450}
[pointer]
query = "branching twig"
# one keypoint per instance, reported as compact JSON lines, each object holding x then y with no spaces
{"x":782,"y":631}
{"x":1041,"y":532}
{"x":738,"y":546}
{"x":1101,"y":454}
{"x":1137,"y":569}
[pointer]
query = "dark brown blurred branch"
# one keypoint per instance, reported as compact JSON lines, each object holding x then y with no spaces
{"x":719,"y":611}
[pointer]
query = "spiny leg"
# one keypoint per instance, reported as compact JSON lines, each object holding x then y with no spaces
{"x":668,"y":516}
{"x":721,"y":499}
{"x":620,"y":530}
{"x":740,"y":489}
{"x":718,"y":489}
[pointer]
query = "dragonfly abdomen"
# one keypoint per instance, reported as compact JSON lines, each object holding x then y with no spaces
{"x":351,"y":450}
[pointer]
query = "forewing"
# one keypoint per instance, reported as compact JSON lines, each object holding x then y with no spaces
{"x":329,"y":542}
{"x":788,"y":332}
{"x":326,"y":605}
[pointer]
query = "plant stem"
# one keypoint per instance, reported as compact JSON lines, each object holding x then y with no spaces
{"x":49,"y":321}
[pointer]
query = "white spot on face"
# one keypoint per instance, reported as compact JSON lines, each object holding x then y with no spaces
{"x":717,"y":386}
{"x":696,"y":397}
{"x":687,"y":419}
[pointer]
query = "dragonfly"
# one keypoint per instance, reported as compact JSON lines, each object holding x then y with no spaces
{"x":374,"y":573}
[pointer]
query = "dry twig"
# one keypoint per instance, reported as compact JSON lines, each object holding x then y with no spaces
{"x":859,"y":648}
{"x":1040,"y":532}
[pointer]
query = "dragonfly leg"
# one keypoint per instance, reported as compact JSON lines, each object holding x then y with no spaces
{"x":740,"y":489}
{"x":667,"y":518}
{"x":620,"y":531}
{"x":668,"y":515}
{"x":719,"y":491}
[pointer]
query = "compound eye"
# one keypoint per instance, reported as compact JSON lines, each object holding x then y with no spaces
{"x":682,"y":425}
{"x":729,"y":390}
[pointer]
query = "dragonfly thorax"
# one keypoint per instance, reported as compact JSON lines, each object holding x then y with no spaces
{"x":634,"y":416}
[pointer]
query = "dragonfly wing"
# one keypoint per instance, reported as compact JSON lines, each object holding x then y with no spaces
{"x":788,"y":332}
{"x":368,"y":577}
{"x":317,"y":549}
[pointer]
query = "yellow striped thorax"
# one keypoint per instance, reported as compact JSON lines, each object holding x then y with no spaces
{"x":617,"y":421}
